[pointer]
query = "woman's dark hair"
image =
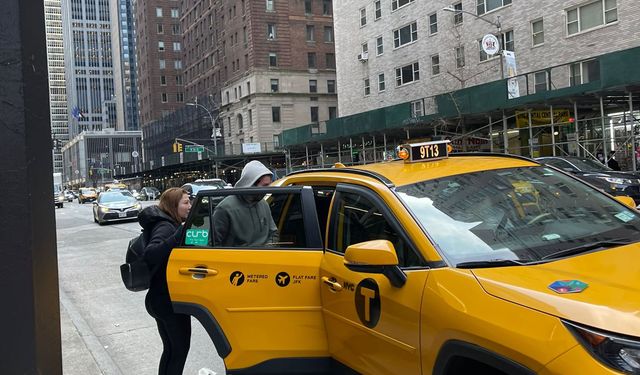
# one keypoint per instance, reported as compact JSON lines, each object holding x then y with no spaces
{"x":169,"y":201}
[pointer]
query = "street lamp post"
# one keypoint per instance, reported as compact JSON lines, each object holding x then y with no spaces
{"x":214,"y":134}
{"x":495,"y":23}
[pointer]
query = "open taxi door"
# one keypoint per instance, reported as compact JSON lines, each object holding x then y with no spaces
{"x":260,"y":303}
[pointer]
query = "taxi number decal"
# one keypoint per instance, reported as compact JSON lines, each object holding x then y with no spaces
{"x":367,"y":299}
{"x":428,"y":151}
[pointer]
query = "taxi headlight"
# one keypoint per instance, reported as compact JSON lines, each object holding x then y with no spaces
{"x":618,"y":352}
{"x":619,"y":181}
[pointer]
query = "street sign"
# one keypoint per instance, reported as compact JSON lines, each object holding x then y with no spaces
{"x":193,"y":148}
{"x":135,"y":154}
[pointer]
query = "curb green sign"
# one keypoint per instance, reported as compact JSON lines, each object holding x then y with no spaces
{"x":198,"y":237}
{"x":193,"y":148}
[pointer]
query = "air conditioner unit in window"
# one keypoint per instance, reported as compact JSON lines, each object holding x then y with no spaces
{"x":363,"y":57}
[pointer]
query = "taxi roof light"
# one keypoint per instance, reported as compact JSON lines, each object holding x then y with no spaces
{"x":425,"y":151}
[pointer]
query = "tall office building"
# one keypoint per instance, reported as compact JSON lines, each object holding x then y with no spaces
{"x":270,"y":65}
{"x":89,"y":65}
{"x":124,"y":64}
{"x":159,"y":58}
{"x":57,"y":85}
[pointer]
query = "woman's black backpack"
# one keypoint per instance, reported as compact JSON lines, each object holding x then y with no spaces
{"x":135,"y":273}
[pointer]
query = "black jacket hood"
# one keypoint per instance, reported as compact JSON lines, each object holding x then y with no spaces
{"x":151,"y":215}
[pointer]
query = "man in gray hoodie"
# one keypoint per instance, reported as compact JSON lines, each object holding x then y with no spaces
{"x":245,"y":220}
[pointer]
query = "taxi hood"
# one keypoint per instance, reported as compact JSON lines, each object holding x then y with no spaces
{"x":610,"y":302}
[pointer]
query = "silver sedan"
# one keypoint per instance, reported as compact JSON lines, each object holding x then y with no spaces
{"x":115,"y":206}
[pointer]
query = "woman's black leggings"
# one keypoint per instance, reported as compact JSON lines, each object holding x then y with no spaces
{"x":175,"y":332}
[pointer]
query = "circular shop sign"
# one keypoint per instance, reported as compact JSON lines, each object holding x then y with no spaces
{"x":135,"y":154}
{"x":490,"y":44}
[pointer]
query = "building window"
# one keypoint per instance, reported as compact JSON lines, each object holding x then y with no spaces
{"x":163,"y":97}
{"x":327,"y":9}
{"x":506,"y":43}
{"x":177,"y":64}
{"x":601,"y":12}
{"x":584,"y":72}
{"x":328,"y":34}
{"x":379,"y":46}
{"x":163,"y":64}
{"x":175,"y":13}
{"x":275,"y":114}
{"x":311,"y":60}
{"x":180,"y":97}
{"x":333,"y":112}
{"x":158,"y":12}
{"x":416,"y":108}
{"x":367,"y":87}
{"x":540,"y":81}
{"x":175,"y":29}
{"x":307,"y":7}
{"x":405,"y":35}
{"x":435,"y":64}
{"x":407,"y":74}
{"x":163,"y":80}
{"x":365,"y":49}
{"x":160,"y":29}
{"x":396,"y":4}
{"x":310,"y":33}
{"x":330,"y":60}
{"x":459,"y":52}
{"x":378,"y":9}
{"x":179,"y":80}
{"x":537,"y":32}
{"x":433,"y":24}
{"x":484,"y":6}
{"x":176,"y":46}
{"x":457,"y":16}
{"x":160,"y":46}
{"x":381,"y":85}
{"x":270,"y":7}
{"x":313,"y":85}
{"x":363,"y":17}
{"x":271,"y":31}
{"x":314,"y":114}
{"x":331,"y":86}
{"x":273,"y":59}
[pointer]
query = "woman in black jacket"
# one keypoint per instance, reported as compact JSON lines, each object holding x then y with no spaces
{"x":162,"y":224}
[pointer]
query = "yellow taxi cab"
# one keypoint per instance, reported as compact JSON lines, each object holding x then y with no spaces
{"x":87,"y":195}
{"x":436,"y":264}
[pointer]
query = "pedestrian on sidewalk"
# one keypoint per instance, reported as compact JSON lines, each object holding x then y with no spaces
{"x":164,"y":225}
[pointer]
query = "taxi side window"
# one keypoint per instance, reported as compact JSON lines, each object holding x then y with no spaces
{"x":356,"y":219}
{"x":197,"y":230}
{"x":248,"y":221}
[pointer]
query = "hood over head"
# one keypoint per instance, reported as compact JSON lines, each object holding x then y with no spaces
{"x":251,"y":173}
{"x":149,"y":216}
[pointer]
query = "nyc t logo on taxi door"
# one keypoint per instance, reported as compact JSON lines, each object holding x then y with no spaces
{"x":367,"y":299}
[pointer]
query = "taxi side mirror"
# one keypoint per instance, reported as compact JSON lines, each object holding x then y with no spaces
{"x":626,"y":200}
{"x":377,"y":256}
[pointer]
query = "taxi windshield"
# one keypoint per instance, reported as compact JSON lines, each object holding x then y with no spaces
{"x":520,"y":214}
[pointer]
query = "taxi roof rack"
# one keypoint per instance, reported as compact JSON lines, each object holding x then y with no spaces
{"x":361,"y":172}
{"x":494,"y":154}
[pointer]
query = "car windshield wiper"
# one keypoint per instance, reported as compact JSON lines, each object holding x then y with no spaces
{"x":494,"y":263}
{"x":587,"y":247}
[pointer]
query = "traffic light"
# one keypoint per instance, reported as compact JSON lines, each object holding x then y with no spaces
{"x":177,"y":147}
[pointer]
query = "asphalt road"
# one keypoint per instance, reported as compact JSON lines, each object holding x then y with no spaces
{"x":105,"y":328}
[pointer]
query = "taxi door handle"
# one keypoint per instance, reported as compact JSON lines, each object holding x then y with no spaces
{"x":335,"y":286}
{"x":197,"y":271}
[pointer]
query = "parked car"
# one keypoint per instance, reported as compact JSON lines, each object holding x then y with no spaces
{"x":209,"y":184}
{"x":87,"y":195}
{"x":115,"y":205}
{"x":139,"y":195}
{"x":461,"y":264}
{"x":598,"y":174}
{"x":69,"y":196}
{"x":58,"y":198}
{"x":150,"y":192}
